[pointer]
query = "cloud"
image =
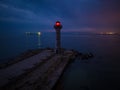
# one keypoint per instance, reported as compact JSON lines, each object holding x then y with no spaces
{"x":74,"y":14}
{"x":23,"y":15}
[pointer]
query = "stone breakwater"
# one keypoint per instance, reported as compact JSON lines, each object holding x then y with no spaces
{"x":37,"y":71}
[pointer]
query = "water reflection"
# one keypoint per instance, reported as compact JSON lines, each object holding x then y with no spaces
{"x":33,"y":40}
{"x":39,"y":41}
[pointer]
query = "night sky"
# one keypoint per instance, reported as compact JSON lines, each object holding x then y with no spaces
{"x":75,"y":15}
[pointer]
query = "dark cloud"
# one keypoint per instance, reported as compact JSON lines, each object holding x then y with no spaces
{"x":74,"y":14}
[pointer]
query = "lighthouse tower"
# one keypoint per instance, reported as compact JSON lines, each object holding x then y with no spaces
{"x":58,"y":28}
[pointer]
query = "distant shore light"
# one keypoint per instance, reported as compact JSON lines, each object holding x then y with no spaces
{"x":108,"y":33}
{"x":39,"y":33}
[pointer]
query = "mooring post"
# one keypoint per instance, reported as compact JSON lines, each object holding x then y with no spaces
{"x":58,"y":28}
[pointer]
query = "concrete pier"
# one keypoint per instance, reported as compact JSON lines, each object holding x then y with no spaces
{"x":38,"y":72}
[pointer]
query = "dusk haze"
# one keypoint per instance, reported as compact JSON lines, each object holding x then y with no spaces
{"x":59,"y":44}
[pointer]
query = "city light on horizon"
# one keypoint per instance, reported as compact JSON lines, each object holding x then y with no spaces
{"x":109,"y":33}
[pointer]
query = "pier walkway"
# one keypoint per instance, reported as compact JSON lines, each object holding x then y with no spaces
{"x":38,"y":72}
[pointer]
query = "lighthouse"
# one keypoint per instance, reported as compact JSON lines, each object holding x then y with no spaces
{"x":58,"y":28}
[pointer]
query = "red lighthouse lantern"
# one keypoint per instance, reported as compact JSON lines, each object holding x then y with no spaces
{"x":57,"y":25}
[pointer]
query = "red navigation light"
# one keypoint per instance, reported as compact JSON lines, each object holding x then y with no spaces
{"x":57,"y":23}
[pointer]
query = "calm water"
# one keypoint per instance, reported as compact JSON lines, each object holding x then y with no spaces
{"x":101,"y":72}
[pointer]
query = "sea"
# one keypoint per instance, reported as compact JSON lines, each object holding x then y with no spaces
{"x":99,"y":73}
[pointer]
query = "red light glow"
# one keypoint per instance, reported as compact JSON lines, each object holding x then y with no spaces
{"x":57,"y":23}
